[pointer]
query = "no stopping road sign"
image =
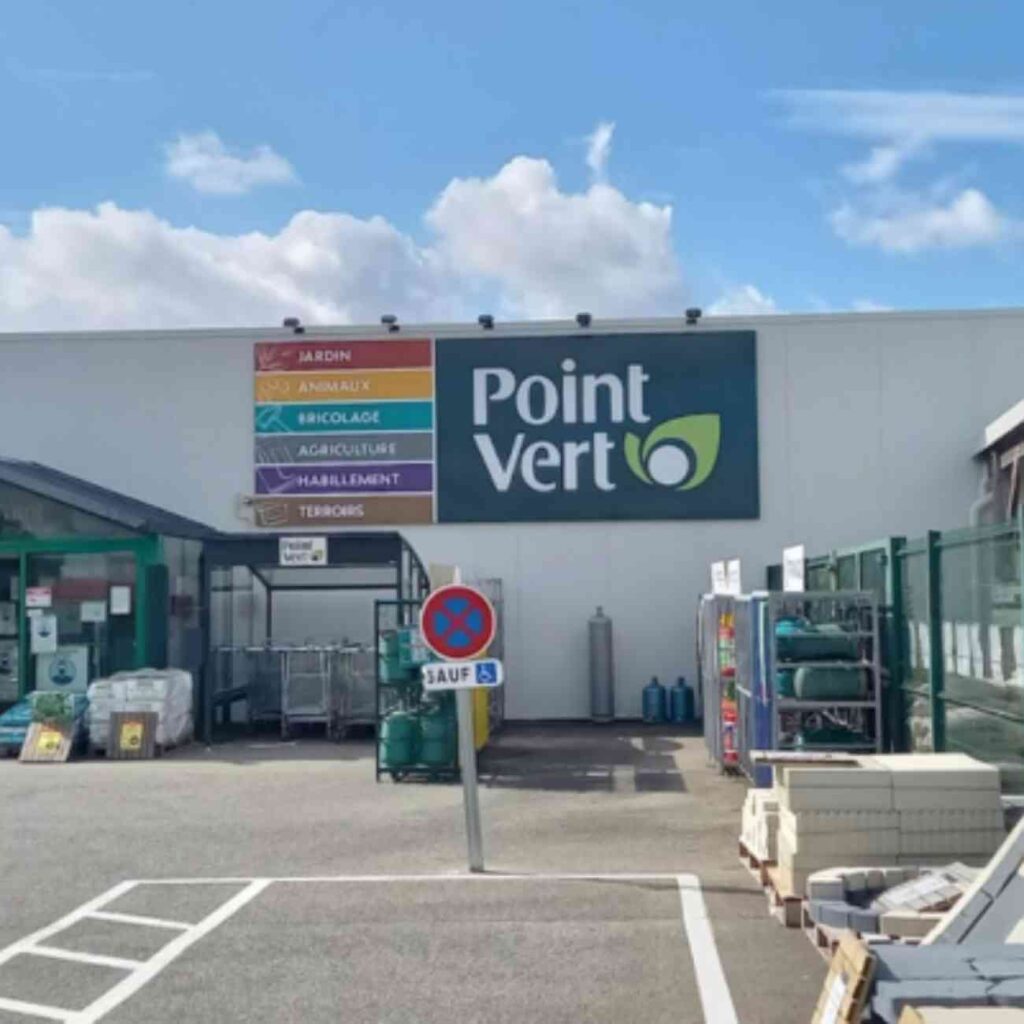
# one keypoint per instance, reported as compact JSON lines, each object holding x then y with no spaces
{"x":457,"y":622}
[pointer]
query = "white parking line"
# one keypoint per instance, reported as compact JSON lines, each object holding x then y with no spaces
{"x":453,"y":876}
{"x":19,"y":947}
{"x":148,"y":922}
{"x":34,"y":1009}
{"x":98,"y":959}
{"x":715,"y":997}
{"x":712,"y":987}
{"x":139,"y":971}
{"x":154,"y":965}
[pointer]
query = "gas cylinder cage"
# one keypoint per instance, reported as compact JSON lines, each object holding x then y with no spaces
{"x":250,"y":675}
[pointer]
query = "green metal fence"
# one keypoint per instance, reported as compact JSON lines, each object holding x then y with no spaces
{"x":953,"y":634}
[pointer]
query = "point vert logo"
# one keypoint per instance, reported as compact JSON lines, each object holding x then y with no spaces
{"x":678,"y":454}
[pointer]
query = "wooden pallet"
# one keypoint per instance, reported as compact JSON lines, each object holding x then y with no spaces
{"x":132,"y":735}
{"x":847,"y":985}
{"x":826,"y":939}
{"x":757,"y":867}
{"x":786,"y":907}
{"x":47,"y":743}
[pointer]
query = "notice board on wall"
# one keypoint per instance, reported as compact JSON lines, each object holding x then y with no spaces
{"x":633,"y":426}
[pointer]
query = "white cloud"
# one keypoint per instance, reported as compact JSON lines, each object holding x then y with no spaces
{"x":553,"y":253}
{"x":78,"y":76}
{"x":878,"y":114}
{"x":881,"y":164}
{"x":906,"y":125}
{"x":599,"y":149}
{"x":967,"y":219}
{"x":869,"y":306}
{"x":531,"y":248}
{"x":743,"y":300}
{"x":207,"y":165}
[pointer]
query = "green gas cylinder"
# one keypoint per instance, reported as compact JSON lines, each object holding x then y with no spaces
{"x":438,"y":737}
{"x":399,"y":736}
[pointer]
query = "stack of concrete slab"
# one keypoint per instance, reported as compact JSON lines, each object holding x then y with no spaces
{"x":963,"y":1015}
{"x":903,"y":809}
{"x":760,"y":824}
{"x":968,"y":976}
{"x":949,"y":806}
{"x":974,"y":957}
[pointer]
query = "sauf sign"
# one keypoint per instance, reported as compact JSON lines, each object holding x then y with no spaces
{"x":638,"y":426}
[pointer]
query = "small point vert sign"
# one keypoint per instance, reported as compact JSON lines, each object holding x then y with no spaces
{"x":302,"y":551}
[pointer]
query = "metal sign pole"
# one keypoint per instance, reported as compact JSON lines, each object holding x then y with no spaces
{"x":470,"y":794}
{"x":464,"y":611}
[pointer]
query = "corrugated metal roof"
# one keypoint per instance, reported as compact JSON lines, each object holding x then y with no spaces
{"x":99,"y":501}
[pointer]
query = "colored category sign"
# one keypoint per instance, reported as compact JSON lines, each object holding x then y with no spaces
{"x":344,"y":417}
{"x":457,"y":622}
{"x":281,"y":513}
{"x":369,"y":478}
{"x":286,"y":450}
{"x":360,"y":386}
{"x":344,"y":432}
{"x":275,"y":356}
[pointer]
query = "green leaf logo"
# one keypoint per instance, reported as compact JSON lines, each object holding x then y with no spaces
{"x":679,"y":454}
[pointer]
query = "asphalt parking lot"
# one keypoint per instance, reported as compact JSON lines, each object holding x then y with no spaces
{"x":260,"y":881}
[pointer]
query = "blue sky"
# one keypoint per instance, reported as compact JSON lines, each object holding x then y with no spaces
{"x":796,"y":156}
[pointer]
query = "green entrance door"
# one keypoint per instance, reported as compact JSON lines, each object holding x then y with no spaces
{"x":80,"y":617}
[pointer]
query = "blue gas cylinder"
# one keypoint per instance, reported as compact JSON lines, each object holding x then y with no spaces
{"x":691,"y":704}
{"x":654,"y":702}
{"x":677,"y":702}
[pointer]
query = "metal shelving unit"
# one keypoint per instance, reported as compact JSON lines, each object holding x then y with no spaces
{"x":850,"y":619}
{"x":402,"y":702}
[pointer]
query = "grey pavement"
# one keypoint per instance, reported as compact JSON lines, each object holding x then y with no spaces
{"x":565,"y":799}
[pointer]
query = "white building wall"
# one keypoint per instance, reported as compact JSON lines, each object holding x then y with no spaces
{"x":867,"y":427}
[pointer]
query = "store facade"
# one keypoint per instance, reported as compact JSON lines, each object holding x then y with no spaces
{"x":603,"y":464}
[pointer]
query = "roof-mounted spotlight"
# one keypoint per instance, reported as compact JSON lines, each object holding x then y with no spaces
{"x":486,"y":321}
{"x":390,"y":321}
{"x":583,"y":319}
{"x":294,"y":323}
{"x":693,"y":314}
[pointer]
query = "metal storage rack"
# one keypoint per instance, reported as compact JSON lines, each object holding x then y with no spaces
{"x":754,"y":695}
{"x":263,"y":677}
{"x":293,"y":684}
{"x":306,"y":692}
{"x":400,"y":696}
{"x":851,"y":616}
{"x":354,"y":683}
{"x":712,"y":686}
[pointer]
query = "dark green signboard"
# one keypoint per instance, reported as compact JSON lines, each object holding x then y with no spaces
{"x":629,"y":426}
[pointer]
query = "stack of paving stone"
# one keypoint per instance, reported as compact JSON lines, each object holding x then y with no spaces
{"x":899,"y":902}
{"x":903,"y":809}
{"x":973,"y":958}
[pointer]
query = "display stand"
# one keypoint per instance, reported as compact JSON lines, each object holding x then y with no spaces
{"x":823,"y":666}
{"x":416,"y":731}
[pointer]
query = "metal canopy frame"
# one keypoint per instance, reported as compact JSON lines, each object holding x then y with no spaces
{"x":259,"y":553}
